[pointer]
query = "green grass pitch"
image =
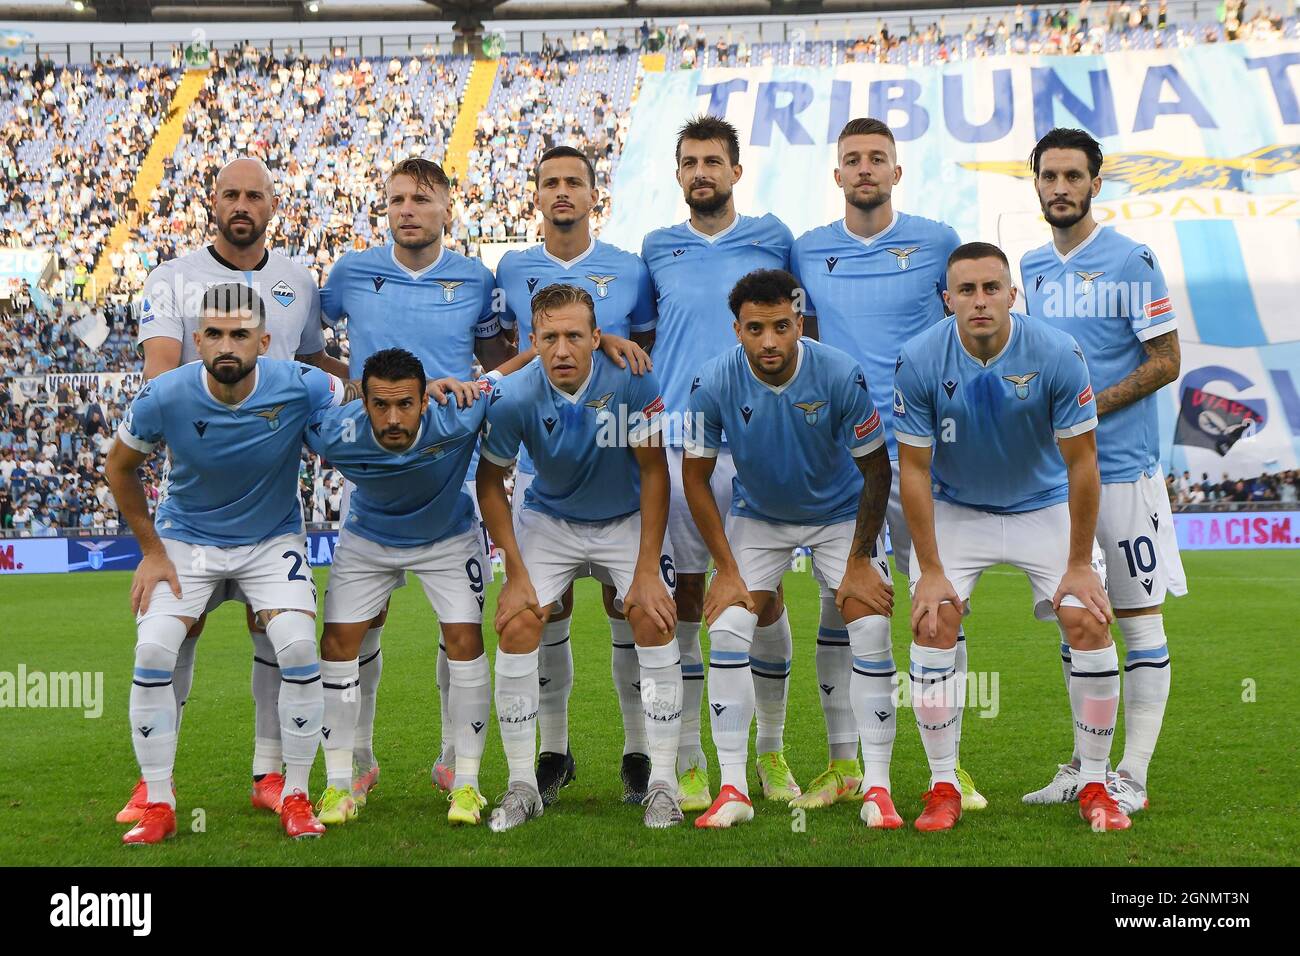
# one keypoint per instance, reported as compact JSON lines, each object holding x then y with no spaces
{"x":1221,"y":783}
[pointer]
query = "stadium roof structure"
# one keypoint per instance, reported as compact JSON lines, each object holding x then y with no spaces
{"x":468,"y":15}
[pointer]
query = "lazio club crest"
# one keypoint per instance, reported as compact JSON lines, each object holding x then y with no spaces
{"x":810,"y":410}
{"x":1085,"y":281}
{"x":95,"y":555}
{"x":602,"y":284}
{"x":904,"y":255}
{"x":272,"y":415}
{"x":1021,"y":382}
{"x":449,"y":289}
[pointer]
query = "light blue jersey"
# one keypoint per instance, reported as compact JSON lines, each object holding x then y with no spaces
{"x":793,"y":445}
{"x":436,"y":314}
{"x":693,"y":274}
{"x":1110,"y":294}
{"x":234,"y":468}
{"x":871,"y":296}
{"x":405,"y":499}
{"x":585,"y":467}
{"x":994,"y":427}
{"x":618,"y":281}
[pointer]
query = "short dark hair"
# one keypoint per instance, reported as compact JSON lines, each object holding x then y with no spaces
{"x":392,"y":365}
{"x":763,"y":287}
{"x":559,"y":295}
{"x":1062,"y":138}
{"x":866,"y":126}
{"x":706,"y":127}
{"x":425,"y":172}
{"x":228,"y":298}
{"x":565,"y":152}
{"x":978,"y":250}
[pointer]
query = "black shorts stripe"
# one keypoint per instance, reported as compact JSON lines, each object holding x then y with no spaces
{"x":1075,"y":673}
{"x":1129,"y":667}
{"x":292,"y":680}
{"x":367,"y":660}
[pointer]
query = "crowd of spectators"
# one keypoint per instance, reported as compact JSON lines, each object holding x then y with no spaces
{"x":1282,"y":488}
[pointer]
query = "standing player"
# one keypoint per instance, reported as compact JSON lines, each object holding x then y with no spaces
{"x":1109,"y":293}
{"x":600,"y":498}
{"x":693,"y":266}
{"x":620,"y":287}
{"x":407,"y":459}
{"x":871,"y":281}
{"x":243,"y":204}
{"x":233,"y":424}
{"x":982,"y":402}
{"x":437,"y":304}
{"x":811,"y":471}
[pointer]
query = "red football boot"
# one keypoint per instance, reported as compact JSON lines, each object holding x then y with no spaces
{"x":878,"y":810}
{"x":267,"y":792}
{"x":1099,"y":809}
{"x":297,"y":818}
{"x":157,"y":823}
{"x":942,"y":808}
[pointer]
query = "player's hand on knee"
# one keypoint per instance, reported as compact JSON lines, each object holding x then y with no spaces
{"x":517,"y":596}
{"x":648,"y":593}
{"x":626,"y":354}
{"x":932,"y":590}
{"x":861,"y":583}
{"x":726,"y":590}
{"x":152,"y":569}
{"x":441,"y":389}
{"x":1082,"y":582}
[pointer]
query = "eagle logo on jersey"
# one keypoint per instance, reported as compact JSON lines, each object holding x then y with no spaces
{"x":433,"y":451}
{"x":272,"y":415}
{"x":1021,"y":382}
{"x":904,"y":255}
{"x":602,"y":284}
{"x":810,"y":410}
{"x":1157,"y":172}
{"x":449,"y":288}
{"x":283,"y":293}
{"x":600,"y":404}
{"x":1086,"y":285}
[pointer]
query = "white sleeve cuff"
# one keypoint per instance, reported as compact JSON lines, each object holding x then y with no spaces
{"x":868,"y":448}
{"x":1151,"y":332}
{"x":130,"y":441}
{"x":1075,"y":430}
{"x":499,"y":462}
{"x":644,"y":326}
{"x":917,"y":441}
{"x":699,"y":451}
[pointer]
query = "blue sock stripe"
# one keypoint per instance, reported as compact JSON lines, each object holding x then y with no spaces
{"x":885,"y":665}
{"x":728,"y":656}
{"x":776,"y":667}
{"x":693,"y":669}
{"x":1155,"y":654}
{"x":833,"y":635}
{"x":302,"y":670}
{"x":922,"y":669}
{"x":144,"y":673}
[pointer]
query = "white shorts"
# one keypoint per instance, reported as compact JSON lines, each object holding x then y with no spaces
{"x":485,"y":541}
{"x":522,"y":481}
{"x":970,"y":542}
{"x":762,"y":550}
{"x":558,"y":552}
{"x":689,"y":550}
{"x":365,"y":573}
{"x":1135,"y":529}
{"x":271,"y":574}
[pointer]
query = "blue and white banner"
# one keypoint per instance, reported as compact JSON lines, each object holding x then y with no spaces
{"x":1202,"y":163}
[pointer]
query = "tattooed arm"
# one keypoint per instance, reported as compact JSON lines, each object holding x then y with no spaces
{"x":1160,"y":368}
{"x":863,"y":591}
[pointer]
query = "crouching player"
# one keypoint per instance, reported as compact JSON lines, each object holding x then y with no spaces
{"x":407,"y":459}
{"x":599,"y":497}
{"x":811,"y":470}
{"x":233,"y":423}
{"x":982,"y":401}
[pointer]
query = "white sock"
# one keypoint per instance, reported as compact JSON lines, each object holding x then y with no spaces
{"x":731,"y":692}
{"x":935,"y":700}
{"x":339,"y":681}
{"x":661,"y":693}
{"x":871,"y":690}
{"x":834,"y":665}
{"x":769,"y":662}
{"x":1146,"y":690}
{"x":470,"y":708}
{"x":689,"y":752}
{"x":517,"y":696}
{"x":268,"y":752}
{"x":623,"y":664}
{"x":447,"y":749}
{"x":183,"y":678}
{"x":302,"y":699}
{"x":1094,"y":699}
{"x":555,"y":678}
{"x":153,"y":704}
{"x":371,"y":662}
{"x":1066,"y":663}
{"x":959,"y":667}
